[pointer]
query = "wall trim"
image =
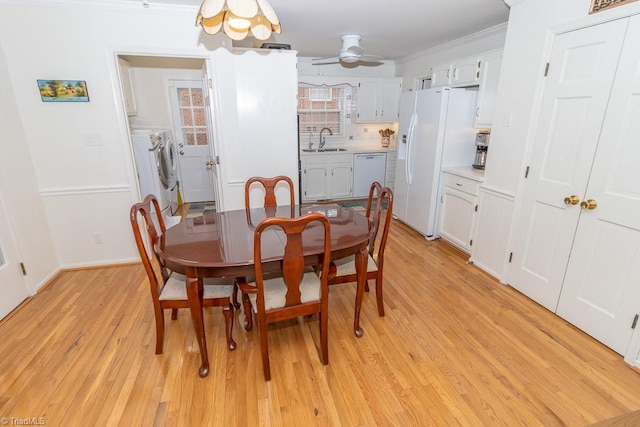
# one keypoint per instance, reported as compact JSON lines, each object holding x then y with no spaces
{"x":496,"y":29}
{"x":110,"y":5}
{"x":81,"y":191}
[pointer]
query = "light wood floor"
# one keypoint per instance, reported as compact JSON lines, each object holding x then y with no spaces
{"x":455,"y":348}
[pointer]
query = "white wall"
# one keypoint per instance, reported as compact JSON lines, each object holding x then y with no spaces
{"x":34,"y":242}
{"x":86,"y":188}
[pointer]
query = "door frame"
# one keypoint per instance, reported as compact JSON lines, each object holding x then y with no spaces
{"x":125,"y":129}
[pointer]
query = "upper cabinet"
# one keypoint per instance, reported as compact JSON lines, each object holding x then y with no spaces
{"x":378,"y":100}
{"x":489,"y":77}
{"x":459,"y":73}
{"x":127,"y":87}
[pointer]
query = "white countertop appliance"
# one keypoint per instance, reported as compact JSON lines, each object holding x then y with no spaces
{"x":156,"y":165}
{"x":482,"y":146}
{"x":435,"y":129}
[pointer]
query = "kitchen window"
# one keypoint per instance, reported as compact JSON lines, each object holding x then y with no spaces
{"x":323,"y":106}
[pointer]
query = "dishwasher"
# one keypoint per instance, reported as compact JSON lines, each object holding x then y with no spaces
{"x":368,"y":168}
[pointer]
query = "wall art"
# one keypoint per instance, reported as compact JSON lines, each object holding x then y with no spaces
{"x":63,"y":90}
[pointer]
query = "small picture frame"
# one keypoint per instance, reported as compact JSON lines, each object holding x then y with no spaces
{"x":600,"y":5}
{"x":63,"y":90}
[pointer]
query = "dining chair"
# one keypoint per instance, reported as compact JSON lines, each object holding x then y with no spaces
{"x":297,"y":290}
{"x":269,"y":185}
{"x":344,"y":270}
{"x":168,"y":290}
{"x":270,"y":201}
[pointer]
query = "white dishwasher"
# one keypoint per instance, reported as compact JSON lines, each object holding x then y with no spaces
{"x":368,"y":168}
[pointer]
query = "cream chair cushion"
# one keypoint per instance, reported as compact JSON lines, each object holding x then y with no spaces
{"x":176,"y":289}
{"x":275,"y":291}
{"x":347,"y":266}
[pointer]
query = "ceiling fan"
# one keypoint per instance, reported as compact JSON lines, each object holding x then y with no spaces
{"x":351,"y":53}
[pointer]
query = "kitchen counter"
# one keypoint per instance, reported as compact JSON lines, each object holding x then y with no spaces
{"x":466,"y":172}
{"x":351,"y":150}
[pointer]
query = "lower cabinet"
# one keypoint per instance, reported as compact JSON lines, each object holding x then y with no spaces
{"x":327,"y":176}
{"x":458,"y":210}
{"x":390,"y":178}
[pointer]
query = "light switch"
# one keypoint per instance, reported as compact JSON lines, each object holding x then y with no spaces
{"x":93,"y":139}
{"x":507,"y":118}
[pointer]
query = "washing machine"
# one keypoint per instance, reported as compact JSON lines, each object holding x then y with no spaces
{"x":155,"y":160}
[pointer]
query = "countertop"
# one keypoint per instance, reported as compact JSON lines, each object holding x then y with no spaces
{"x":352,"y":150}
{"x":466,"y":172}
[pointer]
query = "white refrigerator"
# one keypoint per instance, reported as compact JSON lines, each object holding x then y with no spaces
{"x":435,"y":130}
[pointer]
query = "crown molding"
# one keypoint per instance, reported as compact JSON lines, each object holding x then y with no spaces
{"x":512,"y":2}
{"x":496,"y":29}
{"x":127,"y":5}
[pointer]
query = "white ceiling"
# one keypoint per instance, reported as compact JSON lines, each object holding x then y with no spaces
{"x":392,"y":29}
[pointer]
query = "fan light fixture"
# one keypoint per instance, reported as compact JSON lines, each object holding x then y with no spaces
{"x":236,"y":18}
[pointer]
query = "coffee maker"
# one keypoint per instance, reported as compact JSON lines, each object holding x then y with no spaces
{"x":482,"y":145}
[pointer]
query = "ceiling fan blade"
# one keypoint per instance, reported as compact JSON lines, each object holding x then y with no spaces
{"x":325,"y":63}
{"x":328,"y":60}
{"x":358,"y":50}
{"x":368,"y":57}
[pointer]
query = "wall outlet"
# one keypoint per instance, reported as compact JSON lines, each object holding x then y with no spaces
{"x":97,"y":238}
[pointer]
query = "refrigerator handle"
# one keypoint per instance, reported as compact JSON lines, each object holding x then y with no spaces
{"x":408,"y":164}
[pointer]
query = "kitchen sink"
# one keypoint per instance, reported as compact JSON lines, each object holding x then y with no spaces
{"x":323,"y":150}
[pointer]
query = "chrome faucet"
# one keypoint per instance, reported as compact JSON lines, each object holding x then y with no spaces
{"x":322,"y":141}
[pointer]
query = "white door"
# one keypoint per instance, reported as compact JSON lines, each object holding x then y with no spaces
{"x":13,"y":289}
{"x":582,"y":67}
{"x":601,"y":290}
{"x":192,"y":140}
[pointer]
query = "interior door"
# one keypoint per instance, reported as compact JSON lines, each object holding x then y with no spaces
{"x":582,"y":66}
{"x":214,"y":163}
{"x":188,"y":100}
{"x":601,"y":290}
{"x":13,"y":290}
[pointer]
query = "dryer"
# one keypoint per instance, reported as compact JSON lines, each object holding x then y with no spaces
{"x":155,"y":160}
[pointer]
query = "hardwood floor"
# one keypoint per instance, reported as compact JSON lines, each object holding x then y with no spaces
{"x":455,"y":348}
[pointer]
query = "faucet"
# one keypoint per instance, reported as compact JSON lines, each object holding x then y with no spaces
{"x":322,"y":141}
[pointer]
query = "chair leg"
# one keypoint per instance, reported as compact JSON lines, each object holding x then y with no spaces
{"x":379,"y":294}
{"x":248,"y":312}
{"x":236,"y":303}
{"x":366,"y":286}
{"x":264,"y":349}
{"x":159,"y":329}
{"x":228,"y":322}
{"x":324,"y":341}
{"x":174,"y":313}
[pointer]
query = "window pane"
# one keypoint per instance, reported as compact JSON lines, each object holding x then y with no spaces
{"x":320,"y":107}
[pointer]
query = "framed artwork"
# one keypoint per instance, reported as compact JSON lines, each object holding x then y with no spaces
{"x":63,"y":90}
{"x":600,"y":5}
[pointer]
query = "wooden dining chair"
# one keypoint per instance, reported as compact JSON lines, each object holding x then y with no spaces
{"x":297,"y":290}
{"x":269,"y":185}
{"x":270,"y":201}
{"x":168,"y":290}
{"x":344,"y":270}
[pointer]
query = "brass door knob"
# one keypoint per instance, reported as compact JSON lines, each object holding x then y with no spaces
{"x":589,"y":204}
{"x":571,"y":200}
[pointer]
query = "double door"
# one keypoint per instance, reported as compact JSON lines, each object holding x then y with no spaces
{"x":579,"y":234}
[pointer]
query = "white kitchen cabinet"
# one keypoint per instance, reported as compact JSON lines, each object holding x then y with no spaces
{"x":462,"y":72}
{"x":490,"y":64}
{"x":378,"y":100}
{"x":326,"y":176}
{"x":127,"y":87}
{"x":458,"y":210}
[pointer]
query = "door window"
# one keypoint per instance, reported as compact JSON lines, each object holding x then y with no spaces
{"x":192,"y":115}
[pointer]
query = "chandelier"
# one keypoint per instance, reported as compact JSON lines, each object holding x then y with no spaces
{"x":236,"y":18}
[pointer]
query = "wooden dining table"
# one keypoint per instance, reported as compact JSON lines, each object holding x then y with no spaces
{"x":220,"y":244}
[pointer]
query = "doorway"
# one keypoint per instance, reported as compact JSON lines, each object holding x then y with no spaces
{"x":168,"y":93}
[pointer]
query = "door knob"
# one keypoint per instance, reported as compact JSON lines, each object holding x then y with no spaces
{"x":571,"y":200}
{"x":181,"y":152}
{"x":589,"y":204}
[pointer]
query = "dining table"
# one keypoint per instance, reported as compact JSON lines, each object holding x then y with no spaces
{"x":221,"y":244}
